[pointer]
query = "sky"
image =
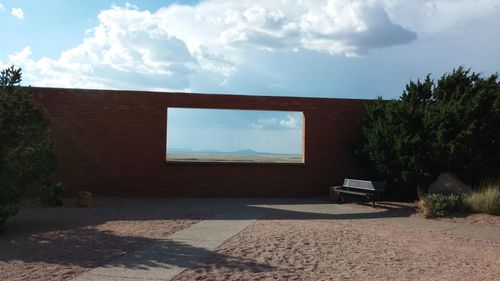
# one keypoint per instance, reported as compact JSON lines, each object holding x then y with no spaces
{"x":311,"y":48}
{"x":189,"y":129}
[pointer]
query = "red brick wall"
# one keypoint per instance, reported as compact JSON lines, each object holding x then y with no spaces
{"x":113,"y":143}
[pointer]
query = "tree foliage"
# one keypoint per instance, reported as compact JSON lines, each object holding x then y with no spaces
{"x":448,"y":125}
{"x":26,"y":154}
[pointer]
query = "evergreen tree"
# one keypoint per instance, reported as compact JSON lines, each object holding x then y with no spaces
{"x":26,"y":154}
{"x":452,"y":125}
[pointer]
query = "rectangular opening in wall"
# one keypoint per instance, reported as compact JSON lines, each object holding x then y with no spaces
{"x":241,"y":136}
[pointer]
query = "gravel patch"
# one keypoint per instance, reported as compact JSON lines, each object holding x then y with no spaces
{"x":461,"y":218}
{"x":61,"y":243}
{"x":357,"y":249}
{"x":479,"y":219}
{"x":303,"y":240}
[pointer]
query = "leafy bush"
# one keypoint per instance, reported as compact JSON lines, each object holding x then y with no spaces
{"x":26,"y":154}
{"x":437,"y":205}
{"x":486,"y":199}
{"x":446,"y":126}
{"x":50,"y":194}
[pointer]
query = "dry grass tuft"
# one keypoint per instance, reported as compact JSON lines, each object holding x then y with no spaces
{"x":486,"y":198}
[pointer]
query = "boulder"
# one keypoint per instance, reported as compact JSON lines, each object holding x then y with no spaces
{"x":84,"y":199}
{"x":449,"y":183}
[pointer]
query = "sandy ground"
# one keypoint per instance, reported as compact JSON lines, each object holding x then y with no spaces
{"x":480,"y":219}
{"x":462,"y":218}
{"x":292,"y":248}
{"x":60,"y":243}
{"x":372,"y":244}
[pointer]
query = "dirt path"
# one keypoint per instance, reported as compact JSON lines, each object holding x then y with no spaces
{"x":61,"y":243}
{"x":298,"y":239}
{"x":350,"y":249}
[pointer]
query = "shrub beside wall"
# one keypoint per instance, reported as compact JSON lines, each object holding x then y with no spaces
{"x":485,"y":199}
{"x":26,"y":154}
{"x":448,"y":125}
{"x":437,"y":205}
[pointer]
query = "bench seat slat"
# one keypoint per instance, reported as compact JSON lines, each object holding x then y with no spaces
{"x":354,"y":192}
{"x":369,"y":189}
{"x":362,"y":184}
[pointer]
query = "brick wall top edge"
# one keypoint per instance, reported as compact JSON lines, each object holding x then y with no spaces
{"x":249,"y":98}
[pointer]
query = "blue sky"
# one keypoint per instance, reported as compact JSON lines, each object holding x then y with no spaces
{"x":335,"y":48}
{"x":232,"y":130}
{"x":312,"y":48}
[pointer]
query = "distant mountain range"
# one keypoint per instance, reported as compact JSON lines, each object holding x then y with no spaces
{"x":238,"y":152}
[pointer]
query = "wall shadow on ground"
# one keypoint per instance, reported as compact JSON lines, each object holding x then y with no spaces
{"x":70,"y":236}
{"x":33,"y":219}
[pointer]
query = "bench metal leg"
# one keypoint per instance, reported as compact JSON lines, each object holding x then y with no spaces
{"x":375,"y":197}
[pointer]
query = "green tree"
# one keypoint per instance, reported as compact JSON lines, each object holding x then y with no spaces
{"x":448,"y":125}
{"x":26,"y":153}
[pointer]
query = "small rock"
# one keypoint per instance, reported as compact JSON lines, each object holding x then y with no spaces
{"x":449,"y":183}
{"x":84,"y":199}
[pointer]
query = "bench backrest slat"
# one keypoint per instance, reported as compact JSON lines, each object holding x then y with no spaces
{"x":362,"y":184}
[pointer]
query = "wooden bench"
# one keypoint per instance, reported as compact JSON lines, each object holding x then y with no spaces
{"x":369,"y":189}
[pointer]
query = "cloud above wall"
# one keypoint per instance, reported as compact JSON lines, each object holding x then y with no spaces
{"x":16,"y":12}
{"x":335,"y":27}
{"x":436,"y":16}
{"x":132,"y":48}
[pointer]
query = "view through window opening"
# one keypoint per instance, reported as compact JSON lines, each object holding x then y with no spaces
{"x":234,"y":135}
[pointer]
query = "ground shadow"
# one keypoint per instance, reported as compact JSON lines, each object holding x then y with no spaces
{"x":183,"y":255}
{"x":360,"y":215}
{"x":89,"y":248}
{"x":70,"y":236}
{"x":33,"y":219}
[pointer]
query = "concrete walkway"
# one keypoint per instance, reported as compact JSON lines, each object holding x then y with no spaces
{"x":165,"y":259}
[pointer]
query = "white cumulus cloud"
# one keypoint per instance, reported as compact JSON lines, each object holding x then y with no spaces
{"x":263,"y":123}
{"x":434,"y":16}
{"x":125,"y":49}
{"x":17,"y":12}
{"x":132,"y":48}
{"x":343,"y":27}
{"x":293,"y":121}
